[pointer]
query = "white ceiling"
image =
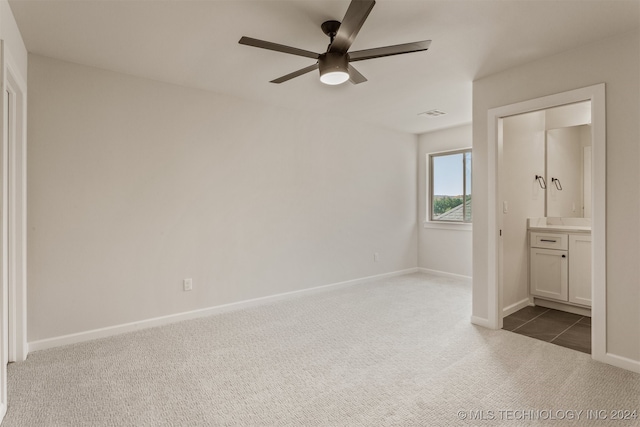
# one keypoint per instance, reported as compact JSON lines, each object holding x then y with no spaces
{"x":195,"y":44}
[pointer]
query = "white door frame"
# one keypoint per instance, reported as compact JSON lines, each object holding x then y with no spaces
{"x":13,"y":225}
{"x":4,"y":306}
{"x":17,"y":209}
{"x":595,"y":94}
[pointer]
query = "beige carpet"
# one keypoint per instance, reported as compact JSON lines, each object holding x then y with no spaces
{"x":394,"y":352}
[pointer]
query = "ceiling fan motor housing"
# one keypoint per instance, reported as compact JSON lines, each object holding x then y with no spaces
{"x":331,"y":62}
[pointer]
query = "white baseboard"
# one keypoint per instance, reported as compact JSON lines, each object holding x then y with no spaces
{"x":445,"y":274}
{"x":581,"y":311}
{"x":480,"y":321}
{"x":621,"y":362}
{"x":178,"y":317}
{"x":506,"y":311}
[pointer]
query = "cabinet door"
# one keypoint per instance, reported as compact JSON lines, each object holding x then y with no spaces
{"x":580,"y":269}
{"x":549,"y":275}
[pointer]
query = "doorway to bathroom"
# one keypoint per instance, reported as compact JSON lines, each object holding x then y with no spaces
{"x":519,"y":255}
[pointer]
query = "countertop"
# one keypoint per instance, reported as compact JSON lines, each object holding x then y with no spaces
{"x":560,"y":228}
{"x":566,"y":225}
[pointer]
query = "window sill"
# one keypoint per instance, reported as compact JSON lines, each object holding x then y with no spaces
{"x":459,"y":226}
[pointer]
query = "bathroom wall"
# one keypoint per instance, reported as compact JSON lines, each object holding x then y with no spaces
{"x":550,"y":144}
{"x":523,"y":155}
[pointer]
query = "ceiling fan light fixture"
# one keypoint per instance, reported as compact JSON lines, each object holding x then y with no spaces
{"x":334,"y":68}
{"x":334,"y":77}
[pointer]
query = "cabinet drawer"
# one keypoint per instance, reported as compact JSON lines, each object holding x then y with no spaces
{"x":549,"y":241}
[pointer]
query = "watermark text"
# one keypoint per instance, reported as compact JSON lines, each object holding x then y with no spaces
{"x":548,"y":414}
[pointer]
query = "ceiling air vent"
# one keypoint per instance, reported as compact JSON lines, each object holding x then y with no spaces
{"x":432,"y":113}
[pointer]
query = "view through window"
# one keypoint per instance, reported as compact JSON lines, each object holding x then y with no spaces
{"x":450,"y":186}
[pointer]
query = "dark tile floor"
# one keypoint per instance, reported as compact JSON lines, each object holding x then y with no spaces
{"x":554,"y":326}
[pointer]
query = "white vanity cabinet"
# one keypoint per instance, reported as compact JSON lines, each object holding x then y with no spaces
{"x":580,"y":269}
{"x":560,"y":267}
{"x":549,"y":276}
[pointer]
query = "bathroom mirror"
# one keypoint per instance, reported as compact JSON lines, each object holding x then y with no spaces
{"x":568,"y":161}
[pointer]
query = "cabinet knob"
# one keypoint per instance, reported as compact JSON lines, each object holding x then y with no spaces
{"x":564,"y":256}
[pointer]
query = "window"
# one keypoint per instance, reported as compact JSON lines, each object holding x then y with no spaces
{"x":450,"y":186}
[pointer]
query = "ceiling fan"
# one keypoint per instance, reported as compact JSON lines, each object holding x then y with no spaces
{"x":334,"y":64}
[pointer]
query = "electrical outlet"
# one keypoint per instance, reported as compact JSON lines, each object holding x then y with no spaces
{"x":187,"y":284}
{"x":376,"y":257}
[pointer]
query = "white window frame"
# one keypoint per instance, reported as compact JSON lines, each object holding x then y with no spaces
{"x":434,"y":223}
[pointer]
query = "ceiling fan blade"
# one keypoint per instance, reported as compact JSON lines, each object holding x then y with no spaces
{"x":380,"y":52}
{"x":277,"y":47}
{"x":295,"y":74}
{"x":355,"y":77}
{"x":351,"y":23}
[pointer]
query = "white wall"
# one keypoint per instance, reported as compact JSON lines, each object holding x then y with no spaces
{"x":616,"y":62}
{"x":14,"y":45}
{"x":442,"y":249}
{"x":135,"y":185}
{"x":522,"y":159}
{"x":568,"y":115}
